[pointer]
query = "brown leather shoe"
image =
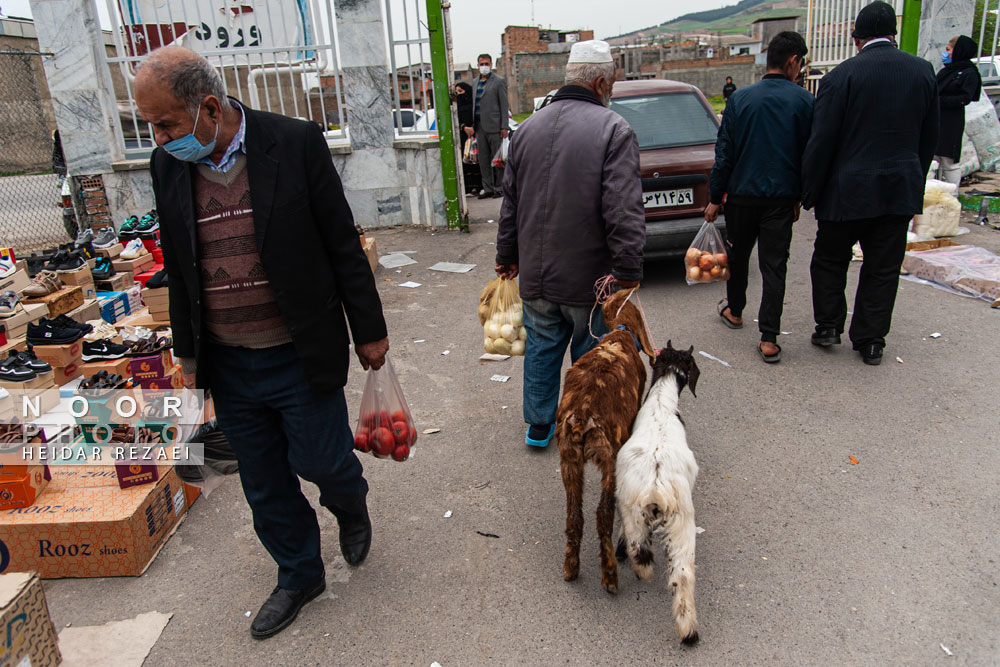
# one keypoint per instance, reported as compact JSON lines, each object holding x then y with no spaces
{"x":45,"y":283}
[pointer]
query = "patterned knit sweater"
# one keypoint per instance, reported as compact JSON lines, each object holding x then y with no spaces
{"x":239,"y":306}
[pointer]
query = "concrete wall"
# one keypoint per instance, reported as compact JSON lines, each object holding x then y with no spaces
{"x":710,"y":75}
{"x":531,"y":75}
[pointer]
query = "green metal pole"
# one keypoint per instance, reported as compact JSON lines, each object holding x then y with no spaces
{"x":910,"y":33}
{"x":442,"y":106}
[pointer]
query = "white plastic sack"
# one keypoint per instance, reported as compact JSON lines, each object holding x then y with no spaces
{"x":942,"y":211}
{"x":969,"y":160}
{"x":983,"y":128}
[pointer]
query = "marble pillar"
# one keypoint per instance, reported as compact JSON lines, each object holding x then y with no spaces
{"x":78,"y":80}
{"x":367,"y":93}
{"x":940,"y":20}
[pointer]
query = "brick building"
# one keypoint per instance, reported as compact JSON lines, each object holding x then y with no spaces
{"x":533,"y":61}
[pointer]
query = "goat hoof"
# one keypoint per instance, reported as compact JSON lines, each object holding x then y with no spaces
{"x":691,"y":639}
{"x":570,"y":573}
{"x":611,"y":585}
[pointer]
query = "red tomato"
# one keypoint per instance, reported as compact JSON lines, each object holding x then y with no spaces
{"x":382,"y":442}
{"x":361,"y":443}
{"x":398,"y":416}
{"x":413,"y":436}
{"x":400,"y":431}
{"x":401,"y":452}
{"x":363,"y":429}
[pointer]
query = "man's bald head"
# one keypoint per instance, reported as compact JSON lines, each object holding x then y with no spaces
{"x":183,"y":74}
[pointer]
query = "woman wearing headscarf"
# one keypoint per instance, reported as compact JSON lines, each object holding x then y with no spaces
{"x":959,"y":84}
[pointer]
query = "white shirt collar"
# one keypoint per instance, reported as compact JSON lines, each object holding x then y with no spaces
{"x":876,"y":41}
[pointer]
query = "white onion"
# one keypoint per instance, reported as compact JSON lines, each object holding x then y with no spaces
{"x":501,"y":346}
{"x":509,"y":332}
{"x":522,"y":334}
{"x":488,"y":346}
{"x":517,"y":348}
{"x":517,"y":318}
{"x":492,"y":329}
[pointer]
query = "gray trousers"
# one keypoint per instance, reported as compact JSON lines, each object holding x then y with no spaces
{"x":489,"y":144}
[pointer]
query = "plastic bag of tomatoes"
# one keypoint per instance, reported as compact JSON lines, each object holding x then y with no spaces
{"x":385,"y":427}
{"x":706,"y":261}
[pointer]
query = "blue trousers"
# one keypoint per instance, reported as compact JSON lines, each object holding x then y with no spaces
{"x":551,"y":329}
{"x":280,"y":431}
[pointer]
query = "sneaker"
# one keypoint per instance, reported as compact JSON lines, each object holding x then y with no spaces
{"x":101,"y":329}
{"x":103,"y":269}
{"x":134,"y":250}
{"x":149,"y":223}
{"x":29,"y":359}
{"x":158,"y":280}
{"x":7,"y":266}
{"x":105,"y":238}
{"x":9,"y":303}
{"x":85,"y":237}
{"x":61,"y":256}
{"x":74,"y":261}
{"x":127,"y":231}
{"x":44,"y":283}
{"x":50,"y":332}
{"x":12,"y":369}
{"x":70,"y":323}
{"x":102,"y":350}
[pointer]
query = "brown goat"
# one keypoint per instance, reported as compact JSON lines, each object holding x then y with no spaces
{"x":601,"y":396}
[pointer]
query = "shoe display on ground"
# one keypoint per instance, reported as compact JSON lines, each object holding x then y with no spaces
{"x":28,"y":358}
{"x":50,"y":332}
{"x":7,"y":266}
{"x":58,"y":258}
{"x":158,"y":280}
{"x":149,"y":223}
{"x":281,"y":608}
{"x":12,"y":369}
{"x":9,"y":303}
{"x":70,"y":323}
{"x":127,"y":231}
{"x":134,"y":250}
{"x":74,"y":261}
{"x":103,"y":269}
{"x":102,"y":350}
{"x":100,"y":330}
{"x":44,"y":283}
{"x":105,"y":238}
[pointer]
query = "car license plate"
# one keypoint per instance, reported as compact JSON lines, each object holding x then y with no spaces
{"x":665,"y":198}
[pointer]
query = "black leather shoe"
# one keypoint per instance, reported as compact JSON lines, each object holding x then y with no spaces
{"x":497,"y":195}
{"x":484,"y":195}
{"x":871,"y":353}
{"x":279,"y":610}
{"x":825,"y":337}
{"x":355,"y":535}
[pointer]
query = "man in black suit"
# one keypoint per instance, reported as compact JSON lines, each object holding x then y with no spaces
{"x":875,"y":126}
{"x":492,"y":123}
{"x":263,"y":261}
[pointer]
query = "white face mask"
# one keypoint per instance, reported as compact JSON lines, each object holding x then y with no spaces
{"x":485,"y":70}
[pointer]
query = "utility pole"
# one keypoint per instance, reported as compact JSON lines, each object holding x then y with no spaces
{"x":442,"y":106}
{"x":910,"y":33}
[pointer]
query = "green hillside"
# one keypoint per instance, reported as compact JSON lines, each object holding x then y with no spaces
{"x":731,"y":20}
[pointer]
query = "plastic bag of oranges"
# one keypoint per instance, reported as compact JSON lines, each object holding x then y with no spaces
{"x":706,"y":261}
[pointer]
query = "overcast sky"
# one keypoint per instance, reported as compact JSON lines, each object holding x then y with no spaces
{"x":478,"y":24}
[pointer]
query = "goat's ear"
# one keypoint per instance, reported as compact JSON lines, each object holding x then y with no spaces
{"x":669,"y":346}
{"x":693,"y":374}
{"x":691,"y":350}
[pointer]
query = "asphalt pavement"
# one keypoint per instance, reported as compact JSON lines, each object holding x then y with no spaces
{"x":806,"y":557}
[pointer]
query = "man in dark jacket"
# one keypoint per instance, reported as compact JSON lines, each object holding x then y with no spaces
{"x":959,"y":84}
{"x":758,"y":155}
{"x":572,"y":213}
{"x":875,"y":126}
{"x":492,"y":120}
{"x":263,"y":261}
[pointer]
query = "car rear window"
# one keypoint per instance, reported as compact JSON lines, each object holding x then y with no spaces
{"x":667,"y":120}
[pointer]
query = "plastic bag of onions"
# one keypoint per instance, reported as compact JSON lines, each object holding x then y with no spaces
{"x":502,"y":317}
{"x":706,"y":260}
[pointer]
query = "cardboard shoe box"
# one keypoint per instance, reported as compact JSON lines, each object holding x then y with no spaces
{"x":90,"y":310}
{"x":86,"y":526}
{"x":113,"y":367}
{"x":151,"y":367}
{"x":17,"y":325}
{"x":62,"y":301}
{"x":30,"y":639}
{"x":110,"y":252}
{"x":116,"y":283}
{"x":79,"y":277}
{"x":172,"y":380}
{"x":20,"y":486}
{"x":16,"y":281}
{"x":66,"y":374}
{"x":41,"y":381}
{"x":61,"y":355}
{"x":133,"y":265}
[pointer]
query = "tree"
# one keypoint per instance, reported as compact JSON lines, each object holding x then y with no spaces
{"x":991,"y":7}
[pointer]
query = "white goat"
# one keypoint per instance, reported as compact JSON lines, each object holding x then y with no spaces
{"x":654,"y":477}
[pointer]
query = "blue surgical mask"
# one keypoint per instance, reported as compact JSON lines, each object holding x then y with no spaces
{"x":945,"y":57}
{"x":188,"y":148}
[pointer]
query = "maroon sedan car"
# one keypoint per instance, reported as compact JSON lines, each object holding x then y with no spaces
{"x":676,"y":128}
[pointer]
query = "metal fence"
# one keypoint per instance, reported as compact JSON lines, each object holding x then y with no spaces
{"x":409,"y":61}
{"x":276,"y":55}
{"x":828,"y":33}
{"x":31,"y":216}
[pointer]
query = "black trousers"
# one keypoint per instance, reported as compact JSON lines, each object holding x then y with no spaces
{"x":770,"y":227}
{"x":883,"y":242}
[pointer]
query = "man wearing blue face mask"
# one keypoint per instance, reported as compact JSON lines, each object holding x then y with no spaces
{"x":263,"y":262}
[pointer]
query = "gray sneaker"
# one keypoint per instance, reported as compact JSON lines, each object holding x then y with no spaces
{"x":105,"y":238}
{"x":84,"y":237}
{"x":9,"y":303}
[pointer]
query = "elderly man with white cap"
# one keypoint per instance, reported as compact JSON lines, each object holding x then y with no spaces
{"x":572,"y":213}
